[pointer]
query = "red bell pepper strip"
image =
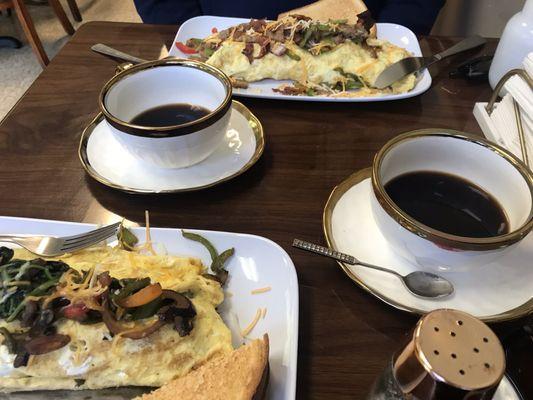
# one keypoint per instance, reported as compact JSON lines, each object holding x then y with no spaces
{"x":185,"y":49}
{"x":214,"y":30}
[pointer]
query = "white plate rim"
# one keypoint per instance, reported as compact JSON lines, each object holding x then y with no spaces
{"x":289,"y":384}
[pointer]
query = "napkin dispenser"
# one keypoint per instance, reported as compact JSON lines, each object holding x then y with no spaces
{"x":510,"y":122}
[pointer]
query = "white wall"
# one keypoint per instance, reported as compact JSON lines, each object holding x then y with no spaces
{"x":483,"y":17}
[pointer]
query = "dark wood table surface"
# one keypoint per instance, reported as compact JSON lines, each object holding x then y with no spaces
{"x":346,"y":335}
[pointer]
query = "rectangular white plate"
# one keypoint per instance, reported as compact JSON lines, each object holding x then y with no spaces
{"x":200,"y":27}
{"x":257,"y":263}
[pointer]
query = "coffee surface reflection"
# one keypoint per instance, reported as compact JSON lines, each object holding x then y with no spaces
{"x":170,"y":115}
{"x":448,"y":203}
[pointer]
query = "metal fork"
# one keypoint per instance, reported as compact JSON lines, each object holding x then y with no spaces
{"x":49,"y":246}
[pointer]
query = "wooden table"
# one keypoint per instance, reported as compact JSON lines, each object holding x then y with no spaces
{"x":346,"y":335}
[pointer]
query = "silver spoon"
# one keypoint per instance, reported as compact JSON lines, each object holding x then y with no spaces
{"x":419,"y":283}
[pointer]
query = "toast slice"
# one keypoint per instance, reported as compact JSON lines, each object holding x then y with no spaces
{"x":239,"y":375}
{"x":324,"y":10}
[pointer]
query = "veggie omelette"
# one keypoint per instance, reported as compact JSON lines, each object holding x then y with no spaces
{"x":107,"y":317}
{"x":333,"y":58}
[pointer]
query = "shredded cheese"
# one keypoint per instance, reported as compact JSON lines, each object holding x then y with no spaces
{"x":262,"y":290}
{"x":78,"y":292}
{"x":263,"y":313}
{"x":273,"y":25}
{"x":148,"y":236}
{"x":252,"y":324}
{"x":317,"y":48}
{"x":94,"y":276}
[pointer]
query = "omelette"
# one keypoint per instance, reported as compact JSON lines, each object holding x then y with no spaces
{"x":106,"y":317}
{"x":333,"y":58}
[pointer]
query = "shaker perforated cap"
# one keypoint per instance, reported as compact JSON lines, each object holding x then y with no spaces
{"x":451,"y":355}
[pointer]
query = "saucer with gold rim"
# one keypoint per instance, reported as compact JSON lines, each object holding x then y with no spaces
{"x":105,"y":160}
{"x":500,"y":290}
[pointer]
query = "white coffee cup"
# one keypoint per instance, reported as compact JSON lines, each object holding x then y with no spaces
{"x":487,"y":165}
{"x":164,"y":82}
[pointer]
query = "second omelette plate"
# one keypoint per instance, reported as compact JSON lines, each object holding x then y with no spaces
{"x":200,"y":27}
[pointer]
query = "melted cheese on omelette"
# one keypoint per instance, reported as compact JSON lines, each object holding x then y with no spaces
{"x":93,"y":359}
{"x":367,"y":62}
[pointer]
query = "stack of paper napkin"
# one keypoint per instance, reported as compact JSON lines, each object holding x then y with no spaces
{"x":500,"y":126}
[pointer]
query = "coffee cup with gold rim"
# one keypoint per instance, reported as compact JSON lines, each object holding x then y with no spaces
{"x":472,"y":158}
{"x":165,"y":82}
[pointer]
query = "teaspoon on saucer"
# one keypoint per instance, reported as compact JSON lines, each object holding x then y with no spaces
{"x":419,"y":283}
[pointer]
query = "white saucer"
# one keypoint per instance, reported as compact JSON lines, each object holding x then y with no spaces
{"x":105,"y":159}
{"x":506,"y":391}
{"x":497,"y":291}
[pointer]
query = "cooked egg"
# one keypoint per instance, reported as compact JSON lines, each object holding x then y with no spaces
{"x":94,"y":360}
{"x":367,"y":62}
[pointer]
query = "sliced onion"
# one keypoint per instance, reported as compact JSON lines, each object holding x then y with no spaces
{"x":115,"y":327}
{"x":146,"y":331}
{"x":112,"y":324}
{"x":181,"y":302}
{"x":46,"y":344}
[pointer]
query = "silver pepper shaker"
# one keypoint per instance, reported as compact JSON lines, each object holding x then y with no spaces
{"x":451,"y":355}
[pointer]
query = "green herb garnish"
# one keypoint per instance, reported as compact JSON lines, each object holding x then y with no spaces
{"x":6,"y":254}
{"x":292,"y":55}
{"x":194,"y":42}
{"x":200,"y":239}
{"x":126,"y":238}
{"x":307,"y":35}
{"x":338,"y":21}
{"x":21,"y":278}
{"x":217,"y":260}
{"x":147,"y":310}
{"x":208,"y":52}
{"x":218,"y":263}
{"x":353,"y":81}
{"x":130,"y":286}
{"x":352,"y":84}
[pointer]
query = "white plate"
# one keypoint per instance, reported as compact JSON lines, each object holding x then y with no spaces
{"x":497,"y":291}
{"x":104,"y":158}
{"x":200,"y":27}
{"x":257,"y":263}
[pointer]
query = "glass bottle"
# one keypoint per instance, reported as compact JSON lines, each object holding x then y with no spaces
{"x":516,"y":42}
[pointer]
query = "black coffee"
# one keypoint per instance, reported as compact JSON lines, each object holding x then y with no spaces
{"x":448,"y":203}
{"x":170,"y":114}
